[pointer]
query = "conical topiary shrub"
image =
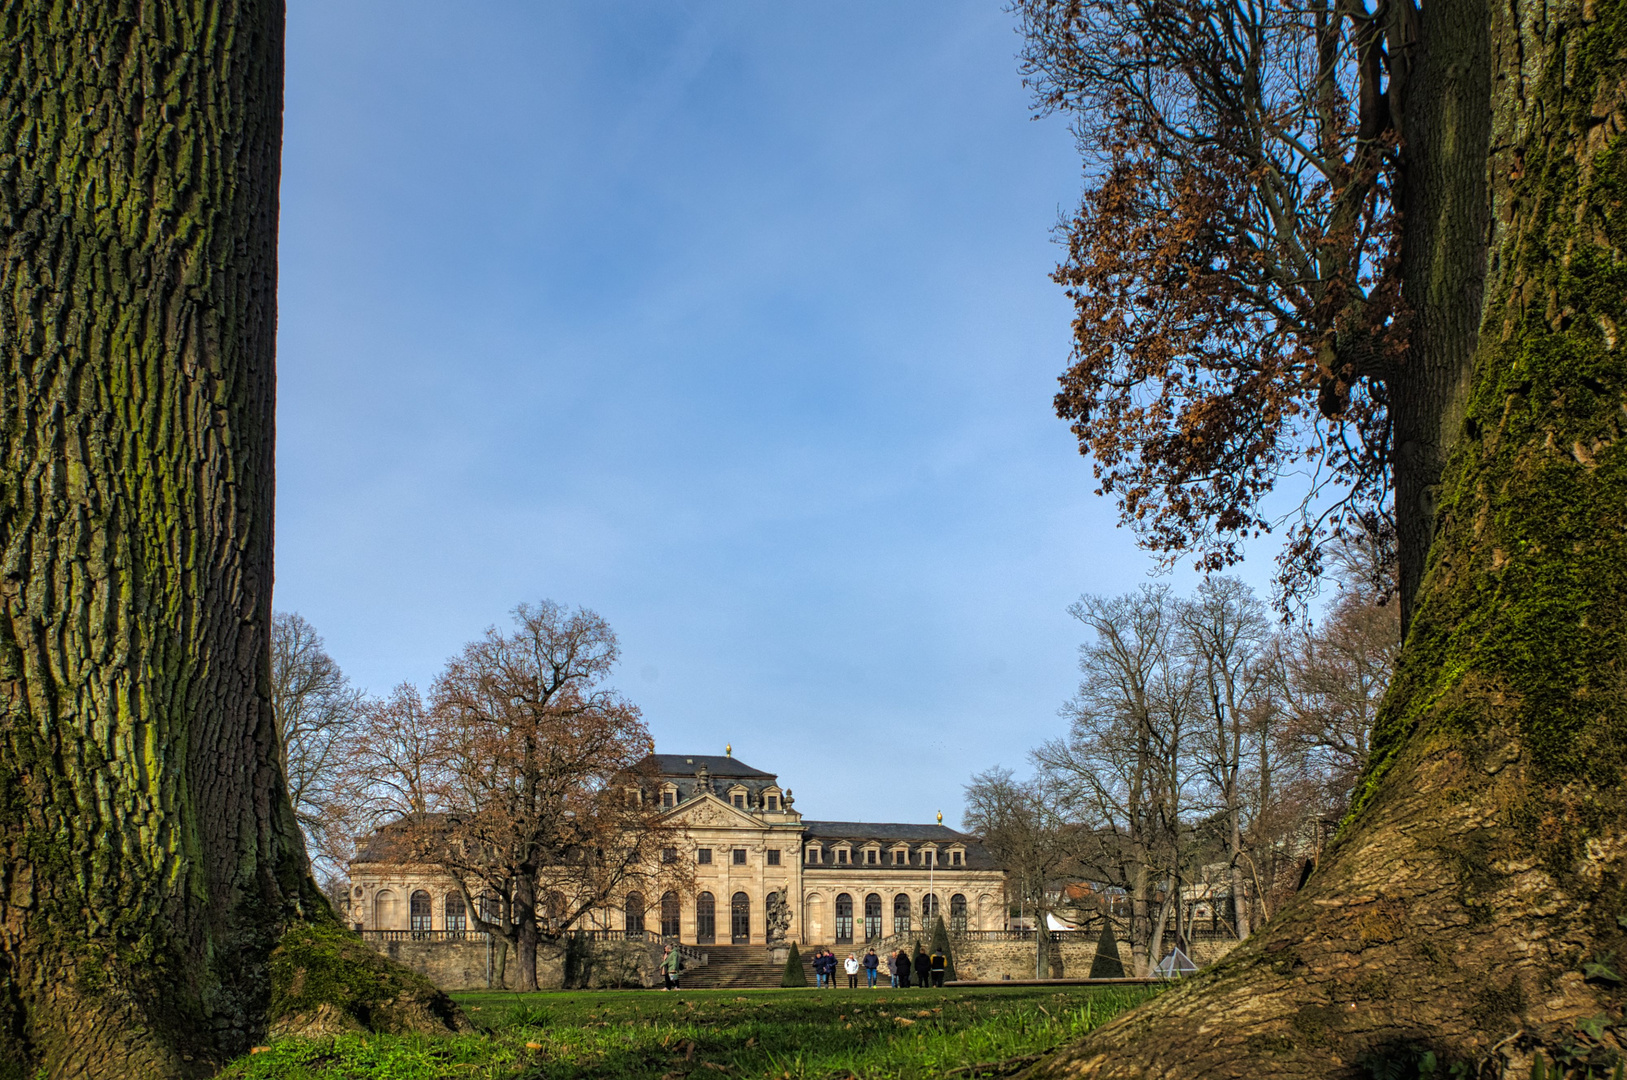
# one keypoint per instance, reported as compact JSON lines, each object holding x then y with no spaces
{"x":940,"y":943}
{"x":1107,"y":964}
{"x":794,"y":975}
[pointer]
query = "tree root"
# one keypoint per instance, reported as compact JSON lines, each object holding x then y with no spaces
{"x":1431,"y":934}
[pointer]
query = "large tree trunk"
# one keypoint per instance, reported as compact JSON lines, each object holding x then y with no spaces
{"x":1474,"y":903}
{"x":149,"y":860}
{"x":525,"y":928}
{"x":1445,"y":211}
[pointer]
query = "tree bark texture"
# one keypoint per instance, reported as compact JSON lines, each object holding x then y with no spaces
{"x":149,"y":859}
{"x":1475,"y":901}
{"x":1445,"y":211}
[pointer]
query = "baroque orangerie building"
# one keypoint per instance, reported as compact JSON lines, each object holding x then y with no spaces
{"x":841,"y":881}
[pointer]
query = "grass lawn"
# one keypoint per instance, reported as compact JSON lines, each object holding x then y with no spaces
{"x":747,"y":1034}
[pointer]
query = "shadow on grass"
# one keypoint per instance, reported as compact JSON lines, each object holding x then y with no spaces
{"x":882,"y":1034}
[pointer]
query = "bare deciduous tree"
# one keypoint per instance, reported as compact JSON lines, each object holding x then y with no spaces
{"x":1121,"y":768}
{"x":1332,"y":680}
{"x":545,"y":813}
{"x":1024,"y":825}
{"x":396,"y":754}
{"x":315,"y":707}
{"x":1225,"y":632}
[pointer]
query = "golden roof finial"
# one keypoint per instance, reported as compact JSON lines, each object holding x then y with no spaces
{"x":728,"y":751}
{"x":940,"y":817}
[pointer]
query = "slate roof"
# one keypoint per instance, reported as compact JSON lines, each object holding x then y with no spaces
{"x":977,"y":856}
{"x":866,"y":830}
{"x":716,"y":764}
{"x":392,"y":843}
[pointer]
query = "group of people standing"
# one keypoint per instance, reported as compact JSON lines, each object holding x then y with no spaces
{"x":928,"y":969}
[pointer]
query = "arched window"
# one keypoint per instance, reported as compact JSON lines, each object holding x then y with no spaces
{"x":844,"y":919}
{"x":553,"y":910}
{"x":669,"y":915}
{"x":929,"y":912}
{"x":635,"y":914}
{"x":386,"y":913}
{"x":705,"y":919}
{"x":491,"y":907}
{"x":957,"y":914}
{"x":872,"y":917}
{"x":740,"y":919}
{"x":421,"y":912}
{"x":456,"y":916}
{"x":901,"y":913}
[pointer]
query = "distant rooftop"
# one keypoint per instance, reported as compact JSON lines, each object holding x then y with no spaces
{"x":866,"y":830}
{"x":397,"y":841}
{"x":716,"y":764}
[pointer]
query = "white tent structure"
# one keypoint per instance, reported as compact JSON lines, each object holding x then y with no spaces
{"x":1176,"y":965}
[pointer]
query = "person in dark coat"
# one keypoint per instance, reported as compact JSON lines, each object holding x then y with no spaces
{"x":903,"y":969}
{"x":940,"y":964}
{"x":923,"y":969}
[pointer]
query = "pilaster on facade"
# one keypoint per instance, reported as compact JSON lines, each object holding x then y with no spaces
{"x":842,"y":882}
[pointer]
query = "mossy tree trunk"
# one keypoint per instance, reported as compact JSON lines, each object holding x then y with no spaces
{"x":1475,"y":901}
{"x":149,"y":860}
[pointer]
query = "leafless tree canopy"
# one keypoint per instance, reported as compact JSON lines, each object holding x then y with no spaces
{"x":316,"y":710}
{"x":1202,"y":737}
{"x":540,"y":810}
{"x":1025,"y":825}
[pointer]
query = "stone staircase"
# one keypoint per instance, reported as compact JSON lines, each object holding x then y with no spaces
{"x":738,"y":967}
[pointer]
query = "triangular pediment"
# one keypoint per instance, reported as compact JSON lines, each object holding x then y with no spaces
{"x":708,"y":811}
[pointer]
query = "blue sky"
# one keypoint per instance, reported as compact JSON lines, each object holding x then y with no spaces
{"x":729,"y":321}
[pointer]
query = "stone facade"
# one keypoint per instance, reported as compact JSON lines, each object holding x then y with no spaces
{"x":840,"y":882}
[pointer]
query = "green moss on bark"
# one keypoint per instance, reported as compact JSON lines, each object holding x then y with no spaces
{"x":1521,"y":619}
{"x":325,"y":979}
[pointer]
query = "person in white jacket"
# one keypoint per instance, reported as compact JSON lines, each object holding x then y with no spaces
{"x":851,"y":966}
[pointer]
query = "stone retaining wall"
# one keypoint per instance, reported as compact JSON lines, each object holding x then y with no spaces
{"x":479,"y":965}
{"x":994,"y":961}
{"x":475,"y":964}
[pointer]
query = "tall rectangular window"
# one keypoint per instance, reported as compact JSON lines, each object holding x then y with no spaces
{"x":669,"y":799}
{"x":773,"y":802}
{"x":901,"y":858}
{"x":739,"y":802}
{"x":774,"y":857}
{"x":842,"y":857}
{"x":703,"y":855}
{"x":740,"y":856}
{"x":871,"y":858}
{"x":669,"y":854}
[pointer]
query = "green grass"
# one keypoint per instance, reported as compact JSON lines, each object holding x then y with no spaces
{"x":711,"y":1034}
